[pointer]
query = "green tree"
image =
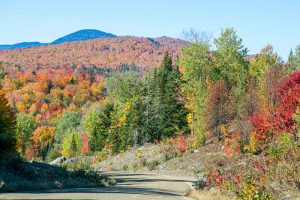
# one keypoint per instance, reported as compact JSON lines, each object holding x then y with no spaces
{"x":68,"y":121}
{"x":294,"y":58}
{"x":231,"y":66}
{"x":196,"y":66}
{"x":169,"y":115}
{"x":133,"y":127}
{"x":97,"y":124}
{"x":259,"y":68}
{"x":24,"y":128}
{"x":123,"y":89}
{"x":263,"y":61}
{"x":172,"y":110}
{"x":71,"y":144}
{"x":123,"y":86}
{"x":152,"y":102}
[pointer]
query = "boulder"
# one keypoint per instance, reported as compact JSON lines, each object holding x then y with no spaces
{"x":58,"y":161}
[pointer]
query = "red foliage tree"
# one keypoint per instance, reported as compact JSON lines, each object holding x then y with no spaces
{"x":85,"y":143}
{"x":219,"y":108}
{"x":281,"y":118}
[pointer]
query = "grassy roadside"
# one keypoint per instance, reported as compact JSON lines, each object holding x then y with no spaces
{"x":209,"y":195}
{"x":17,"y":175}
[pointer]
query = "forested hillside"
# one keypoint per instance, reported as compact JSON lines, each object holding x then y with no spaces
{"x":102,"y":53}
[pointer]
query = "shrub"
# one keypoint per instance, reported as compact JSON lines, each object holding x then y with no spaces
{"x":152,"y":165}
{"x":135,"y":166}
{"x":90,"y":176}
{"x":165,"y":157}
{"x":125,"y":168}
{"x":138,"y":153}
{"x":201,"y":182}
{"x":283,"y":143}
{"x":233,"y":141}
{"x":253,"y":146}
{"x":250,"y":190}
{"x":181,"y":144}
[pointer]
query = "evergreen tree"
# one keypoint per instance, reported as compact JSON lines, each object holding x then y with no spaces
{"x":71,"y":144}
{"x":97,"y":124}
{"x":134,"y":124}
{"x":168,"y":115}
{"x":291,"y":57}
{"x":152,"y":102}
{"x":74,"y":147}
{"x":294,"y":58}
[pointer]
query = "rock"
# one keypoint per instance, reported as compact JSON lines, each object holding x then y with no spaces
{"x":196,"y":151}
{"x":1,"y":183}
{"x":58,"y":161}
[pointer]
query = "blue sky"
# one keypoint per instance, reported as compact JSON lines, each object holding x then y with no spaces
{"x":258,"y":22}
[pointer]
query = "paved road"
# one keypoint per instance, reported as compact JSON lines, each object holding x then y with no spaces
{"x":130,"y":186}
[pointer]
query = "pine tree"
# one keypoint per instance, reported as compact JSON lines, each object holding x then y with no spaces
{"x":168,"y":115}
{"x":294,"y":58}
{"x":152,"y":101}
{"x":74,"y":145}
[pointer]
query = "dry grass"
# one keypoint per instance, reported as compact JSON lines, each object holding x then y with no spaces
{"x":209,"y":195}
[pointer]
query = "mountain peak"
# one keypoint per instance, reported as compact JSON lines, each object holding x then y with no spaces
{"x":81,"y":35}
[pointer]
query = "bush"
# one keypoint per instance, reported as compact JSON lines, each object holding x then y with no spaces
{"x":125,"y":168}
{"x":165,"y":157}
{"x":135,"y":166}
{"x":77,"y":165}
{"x":90,"y":176}
{"x":152,"y":165}
{"x":250,"y":190}
{"x":201,"y":182}
{"x":284,"y":142}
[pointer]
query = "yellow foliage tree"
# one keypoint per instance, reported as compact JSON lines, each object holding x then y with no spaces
{"x":7,"y":126}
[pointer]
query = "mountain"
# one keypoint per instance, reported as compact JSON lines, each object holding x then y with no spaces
{"x":20,"y":45}
{"x":86,"y":34}
{"x":81,"y":35}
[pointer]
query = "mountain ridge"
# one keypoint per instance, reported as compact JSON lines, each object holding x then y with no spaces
{"x":81,"y":35}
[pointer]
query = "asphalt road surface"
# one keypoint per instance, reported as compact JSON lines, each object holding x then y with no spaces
{"x":130,"y":186}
